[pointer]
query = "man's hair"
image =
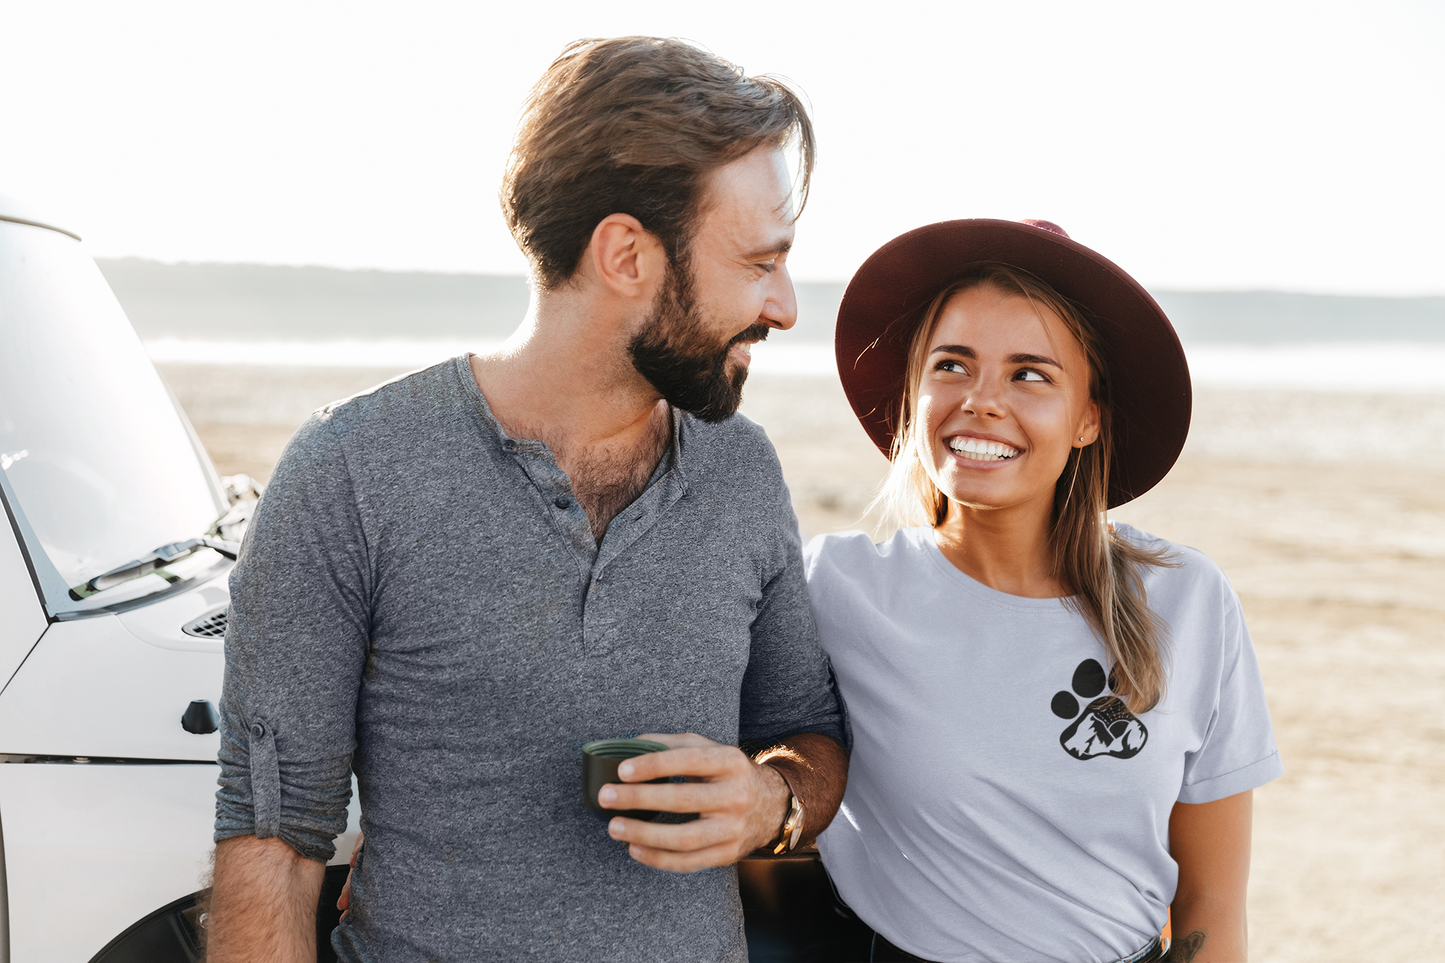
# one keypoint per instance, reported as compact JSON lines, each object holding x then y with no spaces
{"x":633,"y":126}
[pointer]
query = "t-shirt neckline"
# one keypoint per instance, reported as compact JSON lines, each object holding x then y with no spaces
{"x":924,"y":541}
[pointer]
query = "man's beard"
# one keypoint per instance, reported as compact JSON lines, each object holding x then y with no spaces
{"x":674,"y":353}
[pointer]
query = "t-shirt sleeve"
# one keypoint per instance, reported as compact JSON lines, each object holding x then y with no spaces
{"x":789,"y":685}
{"x":1238,"y":751}
{"x":296,"y":644}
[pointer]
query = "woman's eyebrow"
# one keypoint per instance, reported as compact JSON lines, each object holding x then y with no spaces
{"x":966,"y":352}
{"x":1033,"y":359}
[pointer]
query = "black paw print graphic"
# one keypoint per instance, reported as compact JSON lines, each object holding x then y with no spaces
{"x":1106,"y":728}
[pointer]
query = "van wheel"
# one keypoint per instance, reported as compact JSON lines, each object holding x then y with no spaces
{"x":175,"y":933}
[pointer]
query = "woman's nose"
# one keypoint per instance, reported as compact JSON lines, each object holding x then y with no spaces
{"x":984,"y":398}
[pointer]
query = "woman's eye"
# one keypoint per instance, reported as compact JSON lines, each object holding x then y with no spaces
{"x":1029,"y":374}
{"x":948,"y":365}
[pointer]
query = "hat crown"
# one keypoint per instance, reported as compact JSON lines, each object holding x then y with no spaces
{"x":1045,"y":226}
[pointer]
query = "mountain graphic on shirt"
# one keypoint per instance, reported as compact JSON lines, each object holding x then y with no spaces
{"x":1106,"y":728}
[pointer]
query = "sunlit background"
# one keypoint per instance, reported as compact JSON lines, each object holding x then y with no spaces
{"x":1271,"y":171}
{"x":1224,"y":145}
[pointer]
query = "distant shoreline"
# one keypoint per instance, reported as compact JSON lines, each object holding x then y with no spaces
{"x":220,"y":302}
{"x":1389,"y":367}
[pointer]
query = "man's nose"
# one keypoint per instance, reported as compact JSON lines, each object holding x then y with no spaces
{"x":781,"y":308}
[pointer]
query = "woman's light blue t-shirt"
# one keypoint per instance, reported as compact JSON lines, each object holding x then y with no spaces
{"x":999,"y":807}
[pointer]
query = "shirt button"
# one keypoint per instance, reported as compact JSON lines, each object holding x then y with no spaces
{"x":509,"y":445}
{"x":258,"y":730}
{"x":563,"y":502}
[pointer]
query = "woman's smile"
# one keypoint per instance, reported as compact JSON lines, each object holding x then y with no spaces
{"x":973,"y":448}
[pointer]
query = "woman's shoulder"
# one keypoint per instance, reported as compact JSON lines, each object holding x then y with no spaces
{"x":1186,"y":570}
{"x":854,"y":554}
{"x":838,"y":543}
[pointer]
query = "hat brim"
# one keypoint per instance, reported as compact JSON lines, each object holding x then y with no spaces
{"x":1149,"y":377}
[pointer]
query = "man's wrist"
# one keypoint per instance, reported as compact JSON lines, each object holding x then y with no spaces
{"x":773,"y":793}
{"x":785,"y":825}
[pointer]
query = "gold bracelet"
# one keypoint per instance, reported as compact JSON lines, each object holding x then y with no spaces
{"x":792,"y":829}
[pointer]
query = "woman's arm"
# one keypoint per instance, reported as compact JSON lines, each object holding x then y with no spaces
{"x":1210,"y":842}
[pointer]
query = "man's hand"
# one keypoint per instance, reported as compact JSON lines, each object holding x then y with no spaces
{"x":740,"y":804}
{"x":343,"y":902}
{"x":263,"y":903}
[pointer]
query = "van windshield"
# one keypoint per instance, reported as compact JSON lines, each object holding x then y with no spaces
{"x":99,"y":465}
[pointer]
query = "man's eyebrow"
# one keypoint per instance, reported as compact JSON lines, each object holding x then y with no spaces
{"x":782,"y":246}
{"x":967,"y":352}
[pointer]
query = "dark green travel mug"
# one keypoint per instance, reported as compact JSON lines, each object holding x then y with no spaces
{"x":599,"y":766}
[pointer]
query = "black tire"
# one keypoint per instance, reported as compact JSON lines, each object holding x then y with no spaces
{"x":175,"y":932}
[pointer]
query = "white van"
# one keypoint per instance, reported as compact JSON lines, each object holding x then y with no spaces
{"x":115,"y":543}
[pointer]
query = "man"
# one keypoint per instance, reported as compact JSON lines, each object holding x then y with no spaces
{"x":458,"y":578}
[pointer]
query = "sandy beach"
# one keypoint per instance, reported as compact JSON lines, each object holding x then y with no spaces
{"x":1326,"y":510}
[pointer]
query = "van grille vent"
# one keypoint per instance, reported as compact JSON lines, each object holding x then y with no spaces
{"x":211,"y":626}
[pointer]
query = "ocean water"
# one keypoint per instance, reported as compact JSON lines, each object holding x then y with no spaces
{"x":1351,"y":367}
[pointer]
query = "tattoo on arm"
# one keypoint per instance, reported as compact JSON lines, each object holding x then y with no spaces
{"x":1185,"y":948}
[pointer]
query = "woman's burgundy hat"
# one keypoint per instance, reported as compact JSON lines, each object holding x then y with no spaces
{"x":1148,"y":377}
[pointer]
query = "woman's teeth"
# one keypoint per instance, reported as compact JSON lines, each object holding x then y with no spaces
{"x":977,"y":449}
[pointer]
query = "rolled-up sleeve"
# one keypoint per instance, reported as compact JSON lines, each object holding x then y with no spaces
{"x":296,"y":646}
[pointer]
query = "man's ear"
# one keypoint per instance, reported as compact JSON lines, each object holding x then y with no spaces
{"x":625,"y":257}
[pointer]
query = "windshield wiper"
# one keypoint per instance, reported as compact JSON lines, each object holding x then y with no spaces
{"x":154,"y":561}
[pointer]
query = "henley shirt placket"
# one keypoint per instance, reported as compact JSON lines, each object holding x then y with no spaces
{"x":602,"y":621}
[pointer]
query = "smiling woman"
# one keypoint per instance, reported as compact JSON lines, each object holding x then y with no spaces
{"x":1057,"y":721}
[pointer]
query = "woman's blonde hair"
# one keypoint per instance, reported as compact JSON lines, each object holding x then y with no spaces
{"x":1102,"y":571}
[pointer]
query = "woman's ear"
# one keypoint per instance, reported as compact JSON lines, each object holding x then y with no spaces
{"x":1088,"y":430}
{"x":625,"y":257}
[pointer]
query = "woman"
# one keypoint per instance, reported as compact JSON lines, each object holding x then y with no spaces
{"x":1057,"y":722}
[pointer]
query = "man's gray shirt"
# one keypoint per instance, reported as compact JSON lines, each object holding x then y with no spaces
{"x":420,"y":599}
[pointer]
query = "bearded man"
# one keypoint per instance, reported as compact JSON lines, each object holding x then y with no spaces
{"x":458,"y":578}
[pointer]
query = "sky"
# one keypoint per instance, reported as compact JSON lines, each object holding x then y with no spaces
{"x":1204,"y":146}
